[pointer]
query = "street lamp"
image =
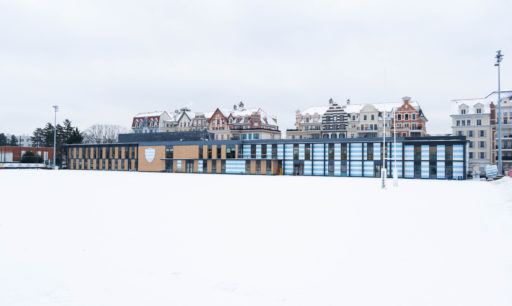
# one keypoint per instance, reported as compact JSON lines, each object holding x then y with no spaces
{"x":499,"y":58}
{"x":56,"y":108}
{"x":395,"y":173}
{"x":383,"y":170}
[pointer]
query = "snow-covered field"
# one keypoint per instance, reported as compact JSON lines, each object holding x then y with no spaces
{"x":113,"y":238}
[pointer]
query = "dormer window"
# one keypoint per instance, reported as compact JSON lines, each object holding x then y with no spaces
{"x":462,"y":111}
{"x":478,"y":110}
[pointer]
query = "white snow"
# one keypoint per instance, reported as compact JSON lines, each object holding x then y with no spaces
{"x":118,"y":238}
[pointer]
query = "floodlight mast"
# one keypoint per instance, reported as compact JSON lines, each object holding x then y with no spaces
{"x":383,"y":170}
{"x":56,"y":109}
{"x":499,"y":58}
{"x":395,"y":173}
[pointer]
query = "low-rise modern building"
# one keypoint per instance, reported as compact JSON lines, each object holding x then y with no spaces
{"x":440,"y":157}
{"x":10,"y":154}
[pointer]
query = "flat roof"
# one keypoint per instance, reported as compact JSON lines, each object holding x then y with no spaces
{"x":425,"y":139}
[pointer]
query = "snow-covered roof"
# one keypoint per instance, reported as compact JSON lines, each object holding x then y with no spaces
{"x":315,"y":110}
{"x":471,"y":103}
{"x":150,"y":114}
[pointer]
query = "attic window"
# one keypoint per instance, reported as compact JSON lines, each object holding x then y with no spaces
{"x":478,"y":110}
{"x":462,"y":111}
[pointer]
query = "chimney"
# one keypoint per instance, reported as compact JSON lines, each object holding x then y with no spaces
{"x":348,"y":101}
{"x":406,"y":99}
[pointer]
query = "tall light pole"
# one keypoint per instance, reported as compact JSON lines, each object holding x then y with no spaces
{"x":499,"y":58}
{"x":383,"y":170}
{"x":56,"y":108}
{"x":395,"y":173}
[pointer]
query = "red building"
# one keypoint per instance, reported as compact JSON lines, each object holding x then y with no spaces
{"x":14,"y":154}
{"x":409,"y":119}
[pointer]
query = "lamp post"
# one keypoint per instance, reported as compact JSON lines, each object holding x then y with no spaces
{"x":56,"y":108}
{"x":499,"y":58}
{"x":383,"y":170}
{"x":395,"y":173}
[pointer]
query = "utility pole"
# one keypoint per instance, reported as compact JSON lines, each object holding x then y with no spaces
{"x":383,"y":170}
{"x":56,"y":108}
{"x":395,"y":174}
{"x":499,"y":58}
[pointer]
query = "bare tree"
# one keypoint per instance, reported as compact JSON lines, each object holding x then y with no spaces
{"x":103,"y":133}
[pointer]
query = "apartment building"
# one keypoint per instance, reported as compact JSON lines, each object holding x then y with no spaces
{"x":477,"y":118}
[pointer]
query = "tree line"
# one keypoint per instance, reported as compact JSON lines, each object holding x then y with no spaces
{"x":66,"y":134}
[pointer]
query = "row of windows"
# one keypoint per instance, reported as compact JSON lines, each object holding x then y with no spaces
{"x":139,"y":123}
{"x":102,"y":152}
{"x":471,"y":133}
{"x":468,"y":122}
{"x":107,"y":164}
{"x":463,"y":111}
{"x":481,"y":144}
{"x":481,"y":155}
{"x":308,"y":152}
{"x":405,"y":116}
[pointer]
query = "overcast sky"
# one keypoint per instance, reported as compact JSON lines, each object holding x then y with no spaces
{"x":103,"y":61}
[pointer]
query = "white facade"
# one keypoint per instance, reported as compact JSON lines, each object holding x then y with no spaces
{"x":477,"y":120}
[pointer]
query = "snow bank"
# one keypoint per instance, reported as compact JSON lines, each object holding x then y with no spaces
{"x":112,"y":238}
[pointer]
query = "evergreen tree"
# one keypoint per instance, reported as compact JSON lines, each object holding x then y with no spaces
{"x":66,"y":134}
{"x":31,"y":157}
{"x":3,"y":139}
{"x":14,"y":141}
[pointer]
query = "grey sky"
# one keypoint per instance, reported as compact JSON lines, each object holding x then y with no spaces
{"x":104,"y":61}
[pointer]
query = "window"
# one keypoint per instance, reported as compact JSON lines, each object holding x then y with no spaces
{"x":471,"y":155}
{"x":481,"y":133}
{"x":308,"y":151}
{"x":468,"y":122}
{"x":433,"y":153}
{"x":343,"y":151}
{"x":478,"y":110}
{"x":448,"y":153}
{"x":230,"y":151}
{"x":458,"y":122}
{"x":482,"y":155}
{"x":330,"y":151}
{"x":258,"y":166}
{"x":373,"y":117}
{"x":413,"y":116}
{"x":369,"y":151}
{"x":471,"y":144}
{"x":399,"y":117}
{"x":209,"y":152}
{"x":295,"y":151}
{"x":470,"y":133}
{"x":406,"y":116}
{"x":219,"y":152}
{"x":274,"y":151}
{"x":462,"y":111}
{"x":481,"y":144}
{"x":253,"y":151}
{"x":364,"y":117}
{"x":463,"y":122}
{"x":264,"y":151}
{"x":460,"y":133}
{"x":169,"y":152}
{"x":478,"y":122}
